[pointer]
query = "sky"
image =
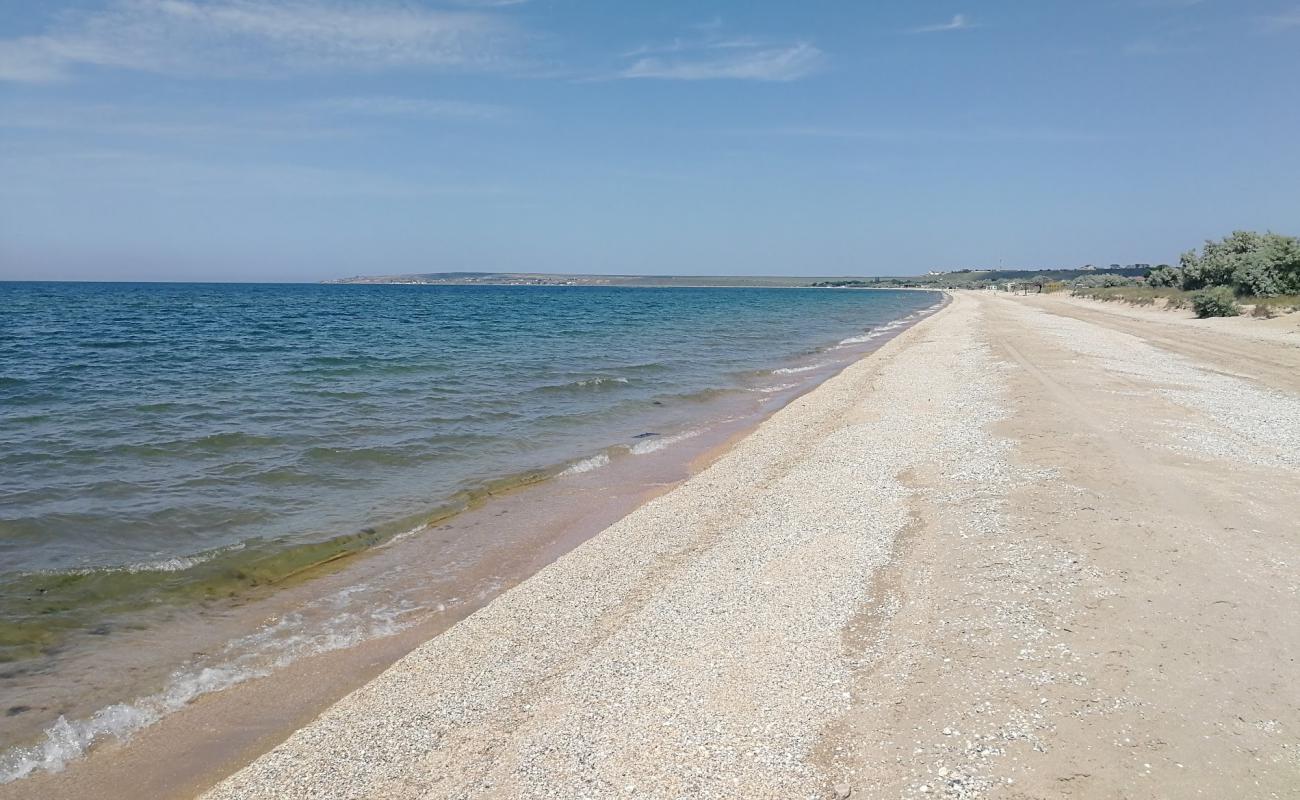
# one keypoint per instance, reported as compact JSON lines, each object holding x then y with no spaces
{"x":310,"y":139}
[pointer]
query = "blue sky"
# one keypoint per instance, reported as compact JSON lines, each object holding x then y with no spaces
{"x":307,"y":139}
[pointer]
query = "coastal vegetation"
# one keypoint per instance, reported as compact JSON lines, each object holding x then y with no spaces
{"x":1250,"y":264}
{"x":1216,"y":301}
{"x":1261,"y":270}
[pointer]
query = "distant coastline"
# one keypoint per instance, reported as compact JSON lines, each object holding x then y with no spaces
{"x":931,"y":280}
{"x":562,"y":279}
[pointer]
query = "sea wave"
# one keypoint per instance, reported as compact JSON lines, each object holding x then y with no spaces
{"x":875,"y":333}
{"x":594,"y":382}
{"x":863,"y":339}
{"x":586,"y":465}
{"x":660,"y":442}
{"x":796,"y":370}
{"x":601,"y":380}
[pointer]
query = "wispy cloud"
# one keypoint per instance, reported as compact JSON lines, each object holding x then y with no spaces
{"x":969,"y":134}
{"x":758,"y":64}
{"x":1154,"y":48}
{"x":391,"y":106}
{"x":1287,"y":20}
{"x":712,"y":54}
{"x":328,"y":118}
{"x":113,"y":172}
{"x":699,"y":45}
{"x":959,"y":22}
{"x":243,"y":37}
{"x":134,"y":121}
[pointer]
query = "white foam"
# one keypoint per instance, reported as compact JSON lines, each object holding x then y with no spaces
{"x":404,"y":535}
{"x":660,"y":442}
{"x":862,"y":339}
{"x":172,"y":564}
{"x":876,"y":333}
{"x":600,"y":380}
{"x":796,"y":370}
{"x":273,"y":646}
{"x":175,"y":564}
{"x":587,"y":465}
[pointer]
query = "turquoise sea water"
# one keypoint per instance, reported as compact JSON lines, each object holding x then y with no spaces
{"x":169,"y":444}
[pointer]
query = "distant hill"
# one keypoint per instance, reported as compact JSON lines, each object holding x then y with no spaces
{"x":955,"y":279}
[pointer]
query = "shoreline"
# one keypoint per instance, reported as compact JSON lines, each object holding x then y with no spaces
{"x":589,"y":553}
{"x":1013,"y":554}
{"x":212,"y":735}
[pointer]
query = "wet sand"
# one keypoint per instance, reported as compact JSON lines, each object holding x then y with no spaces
{"x":1024,"y":551}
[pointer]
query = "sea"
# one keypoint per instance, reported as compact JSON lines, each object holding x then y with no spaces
{"x":193,"y":477}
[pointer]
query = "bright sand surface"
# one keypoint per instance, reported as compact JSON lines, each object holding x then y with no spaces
{"x":1030,"y":548}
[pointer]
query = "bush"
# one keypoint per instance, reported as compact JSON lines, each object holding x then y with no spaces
{"x":1263,"y":264}
{"x":1103,"y":280}
{"x":1263,"y":311}
{"x":1217,"y":301}
{"x":1164,"y":276}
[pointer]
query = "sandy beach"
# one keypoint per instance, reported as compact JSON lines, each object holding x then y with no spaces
{"x":1033,"y":547}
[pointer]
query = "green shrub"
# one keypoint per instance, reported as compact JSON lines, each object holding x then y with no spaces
{"x":1217,"y":301}
{"x":1164,"y":275}
{"x":1103,"y":280}
{"x":1262,"y":264}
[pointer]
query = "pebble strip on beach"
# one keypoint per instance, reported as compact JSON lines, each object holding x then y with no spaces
{"x":693,"y":649}
{"x":1014,"y":553}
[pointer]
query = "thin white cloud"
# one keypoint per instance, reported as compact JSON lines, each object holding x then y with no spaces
{"x":390,"y":106}
{"x":244,"y":37}
{"x":955,"y":134}
{"x":131,"y":120}
{"x":1153,"y":47}
{"x":328,"y":118}
{"x":741,"y":61}
{"x":109,"y":172}
{"x":687,"y":45}
{"x":710,"y":53}
{"x":959,"y":22}
{"x":1286,"y":20}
